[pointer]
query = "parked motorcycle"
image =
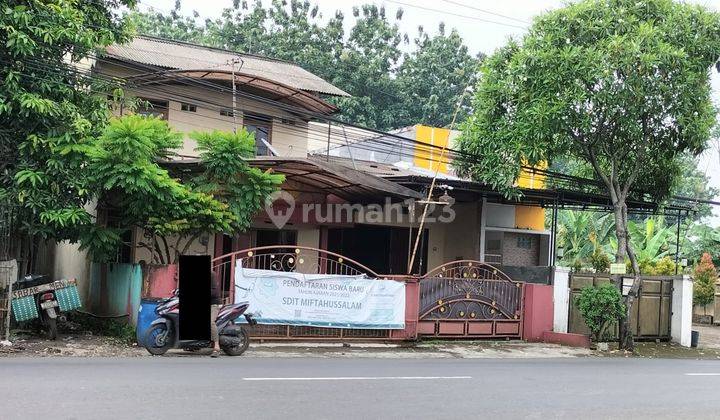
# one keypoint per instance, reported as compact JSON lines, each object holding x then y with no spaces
{"x":43,"y":290}
{"x":163,"y":333}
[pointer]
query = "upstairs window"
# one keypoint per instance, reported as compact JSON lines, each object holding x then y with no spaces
{"x":227,"y":113}
{"x":153,"y":108}
{"x":260,"y":125}
{"x":188,"y":107}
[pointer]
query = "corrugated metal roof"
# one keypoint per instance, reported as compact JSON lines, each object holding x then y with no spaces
{"x":184,"y":56}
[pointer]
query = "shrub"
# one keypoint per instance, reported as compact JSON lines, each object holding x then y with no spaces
{"x":664,"y":267}
{"x":577,"y":265}
{"x":705,"y":276}
{"x":600,"y":306}
{"x":600,"y":261}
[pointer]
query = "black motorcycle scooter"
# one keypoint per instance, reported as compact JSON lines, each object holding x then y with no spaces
{"x":163,"y":334}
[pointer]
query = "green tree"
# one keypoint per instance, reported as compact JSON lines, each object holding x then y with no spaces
{"x":173,"y":25}
{"x":700,"y":239}
{"x":291,"y":32}
{"x":622,"y":85}
{"x":694,"y":183}
{"x":365,"y":61}
{"x":50,"y":111}
{"x":366,"y":69}
{"x":433,"y":77}
{"x":581,"y":233}
{"x":705,"y":276}
{"x":651,"y":238}
{"x":172,"y":209}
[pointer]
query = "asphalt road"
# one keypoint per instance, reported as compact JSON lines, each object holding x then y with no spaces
{"x":321,"y":388}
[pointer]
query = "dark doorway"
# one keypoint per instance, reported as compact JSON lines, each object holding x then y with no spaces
{"x":383,"y":249}
{"x":271,"y":237}
{"x":268,"y":237}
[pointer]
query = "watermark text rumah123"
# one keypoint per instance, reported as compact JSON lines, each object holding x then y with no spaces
{"x":281,"y":207}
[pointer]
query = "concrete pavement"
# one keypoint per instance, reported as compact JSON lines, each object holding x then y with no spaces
{"x":314,"y":388}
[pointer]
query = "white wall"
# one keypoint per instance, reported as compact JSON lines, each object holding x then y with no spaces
{"x":72,"y":263}
{"x":681,"y":320}
{"x":462,"y":236}
{"x":500,"y":215}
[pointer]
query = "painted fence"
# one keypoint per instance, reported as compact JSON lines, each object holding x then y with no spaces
{"x":116,"y":289}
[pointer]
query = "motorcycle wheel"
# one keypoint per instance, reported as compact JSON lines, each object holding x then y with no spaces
{"x":158,"y":340}
{"x":238,"y":349}
{"x":52,"y":328}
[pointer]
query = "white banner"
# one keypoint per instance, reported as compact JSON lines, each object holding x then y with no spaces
{"x":321,"y":300}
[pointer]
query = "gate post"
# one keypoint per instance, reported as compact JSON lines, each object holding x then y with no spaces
{"x":681,"y":320}
{"x":537,"y":311}
{"x":412,"y":308}
{"x":561,"y":299}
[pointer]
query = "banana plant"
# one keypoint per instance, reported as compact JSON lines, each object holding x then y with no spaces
{"x":651,"y":238}
{"x":580,"y":233}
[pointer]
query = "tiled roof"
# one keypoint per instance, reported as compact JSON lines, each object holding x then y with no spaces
{"x":183,"y":56}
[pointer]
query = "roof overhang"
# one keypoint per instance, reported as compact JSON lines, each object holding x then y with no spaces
{"x":273,"y":90}
{"x":317,"y":177}
{"x":347,"y":183}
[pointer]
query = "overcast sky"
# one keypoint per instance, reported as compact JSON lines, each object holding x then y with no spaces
{"x":484,"y":25}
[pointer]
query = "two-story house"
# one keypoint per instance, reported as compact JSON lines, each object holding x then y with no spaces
{"x":197,"y":88}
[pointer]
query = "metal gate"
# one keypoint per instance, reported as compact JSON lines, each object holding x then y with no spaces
{"x":299,"y":259}
{"x":650,"y":314}
{"x":470,"y":299}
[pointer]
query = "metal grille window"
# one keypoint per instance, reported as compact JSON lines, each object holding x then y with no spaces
{"x":188,"y":107}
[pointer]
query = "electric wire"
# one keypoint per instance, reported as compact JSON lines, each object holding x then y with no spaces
{"x":421,"y":144}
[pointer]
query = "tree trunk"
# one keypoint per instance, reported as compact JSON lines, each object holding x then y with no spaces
{"x":620,"y":234}
{"x":626,"y":336}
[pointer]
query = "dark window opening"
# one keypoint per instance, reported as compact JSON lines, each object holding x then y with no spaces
{"x":261,"y":126}
{"x":227,"y":113}
{"x":153,"y":108}
{"x":124,"y":252}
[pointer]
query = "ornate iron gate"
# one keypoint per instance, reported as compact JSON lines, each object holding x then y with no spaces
{"x":287,"y":258}
{"x":470,"y":299}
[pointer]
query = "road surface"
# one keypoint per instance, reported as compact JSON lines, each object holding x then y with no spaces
{"x":326,"y":388}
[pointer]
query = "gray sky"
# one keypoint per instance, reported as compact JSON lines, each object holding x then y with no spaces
{"x":476,"y":21}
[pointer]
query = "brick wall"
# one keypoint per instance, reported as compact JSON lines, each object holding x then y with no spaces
{"x":517,"y":256}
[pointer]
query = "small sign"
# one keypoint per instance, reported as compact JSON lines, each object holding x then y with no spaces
{"x":619,"y":268}
{"x":57,"y":284}
{"x":627,"y":284}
